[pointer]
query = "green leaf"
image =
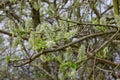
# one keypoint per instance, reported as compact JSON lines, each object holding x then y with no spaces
{"x":49,"y":57}
{"x":73,"y":65}
{"x":100,"y":55}
{"x":60,"y":36}
{"x":36,"y":6}
{"x":105,"y":51}
{"x":39,"y":44}
{"x":50,"y":43}
{"x":94,"y":21}
{"x":81,"y":53}
{"x":100,"y":28}
{"x":7,"y":58}
{"x":28,"y":24}
{"x":16,"y":42}
{"x":68,"y":55}
{"x":64,"y":66}
{"x":11,"y":25}
{"x":50,"y":11}
{"x":70,"y":34}
{"x":59,"y":58}
{"x":20,"y":32}
{"x":43,"y":58}
{"x":103,"y":54}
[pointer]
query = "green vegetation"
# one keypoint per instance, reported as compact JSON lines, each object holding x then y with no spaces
{"x":59,"y":39}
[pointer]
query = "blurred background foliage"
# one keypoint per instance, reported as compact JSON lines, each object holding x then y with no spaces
{"x":59,"y":40}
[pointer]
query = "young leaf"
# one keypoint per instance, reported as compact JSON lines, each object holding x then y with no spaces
{"x":36,"y":6}
{"x":59,"y":58}
{"x":39,"y":44}
{"x":68,"y":55}
{"x":16,"y":42}
{"x":43,"y":58}
{"x":64,"y":66}
{"x":28,"y":24}
{"x":105,"y":51}
{"x":11,"y":25}
{"x":7,"y":58}
{"x":50,"y":44}
{"x":19,"y":32}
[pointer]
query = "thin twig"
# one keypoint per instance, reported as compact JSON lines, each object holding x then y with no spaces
{"x":75,"y":22}
{"x":42,"y":69}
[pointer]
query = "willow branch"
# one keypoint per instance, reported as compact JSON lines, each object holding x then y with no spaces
{"x":10,"y":34}
{"x":104,"y":61}
{"x":110,"y":7}
{"x":63,"y":47}
{"x":104,"y":44}
{"x":78,"y":23}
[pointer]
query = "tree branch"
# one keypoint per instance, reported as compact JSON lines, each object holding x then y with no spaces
{"x":10,"y":34}
{"x":104,"y":61}
{"x":110,"y":7}
{"x":63,"y":47}
{"x":109,"y":25}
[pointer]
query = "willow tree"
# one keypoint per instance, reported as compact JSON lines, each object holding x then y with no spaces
{"x":59,"y":39}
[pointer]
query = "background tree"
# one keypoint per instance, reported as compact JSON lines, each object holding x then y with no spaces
{"x":59,"y":39}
